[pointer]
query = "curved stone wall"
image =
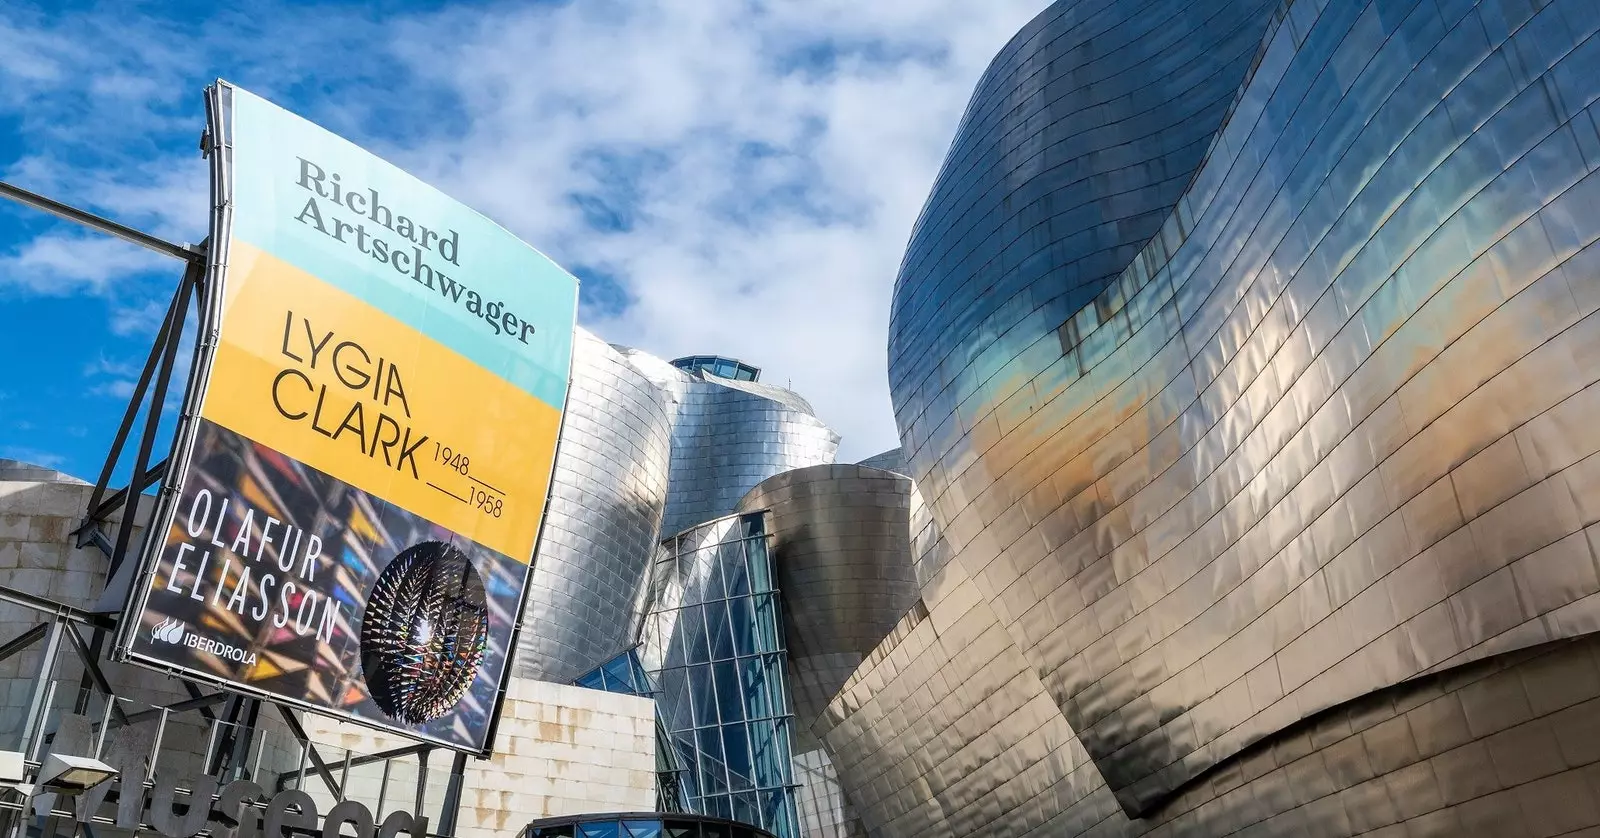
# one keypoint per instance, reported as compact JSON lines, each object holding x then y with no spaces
{"x":609,"y":490}
{"x":1322,"y":424}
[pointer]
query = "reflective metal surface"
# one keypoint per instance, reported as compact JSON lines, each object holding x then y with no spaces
{"x":604,"y":518}
{"x":647,"y":449}
{"x":729,"y":435}
{"x":1245,"y":360}
{"x":841,"y":549}
{"x":841,"y":546}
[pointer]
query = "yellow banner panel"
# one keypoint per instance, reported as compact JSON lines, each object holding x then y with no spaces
{"x":323,"y":377}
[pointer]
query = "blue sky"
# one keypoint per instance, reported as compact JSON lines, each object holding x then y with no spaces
{"x":726,"y":176}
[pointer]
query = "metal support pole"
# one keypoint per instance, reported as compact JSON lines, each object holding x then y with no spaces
{"x":100,"y":506}
{"x":155,"y":748}
{"x":422,"y":781}
{"x":105,"y":725}
{"x":452,"y":796}
{"x":23,"y":640}
{"x":344,"y":776}
{"x":187,"y":253}
{"x":244,"y":738}
{"x":383,"y":790}
{"x":38,"y":705}
{"x":310,"y":753}
{"x":91,"y":666}
{"x":152,"y":422}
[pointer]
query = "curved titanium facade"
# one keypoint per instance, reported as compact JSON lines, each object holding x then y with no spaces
{"x":604,"y":518}
{"x":1218,"y":468}
{"x":841,"y":547}
{"x":646,"y":449}
{"x":729,"y":435}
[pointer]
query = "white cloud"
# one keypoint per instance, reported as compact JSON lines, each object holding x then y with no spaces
{"x":786,"y":259}
{"x":765,"y":161}
{"x":61,"y":264}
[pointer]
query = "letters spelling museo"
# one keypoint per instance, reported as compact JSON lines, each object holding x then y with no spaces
{"x":448,"y":245}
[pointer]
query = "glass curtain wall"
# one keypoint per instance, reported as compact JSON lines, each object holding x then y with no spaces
{"x":713,"y":646}
{"x":622,"y":674}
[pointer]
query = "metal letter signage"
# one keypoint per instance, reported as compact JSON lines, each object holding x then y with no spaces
{"x":239,"y":810}
{"x":349,"y":518}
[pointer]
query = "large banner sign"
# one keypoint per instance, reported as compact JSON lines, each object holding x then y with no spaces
{"x":358,"y":499}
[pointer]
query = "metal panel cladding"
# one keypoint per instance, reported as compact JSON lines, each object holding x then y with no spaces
{"x":353,"y":511}
{"x":842,"y":549}
{"x":729,"y":435}
{"x":605,"y":511}
{"x":1224,"y":459}
{"x":841,"y":545}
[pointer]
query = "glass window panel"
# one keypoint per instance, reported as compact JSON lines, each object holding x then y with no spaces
{"x":715,"y":587}
{"x":643,"y":829}
{"x":691,"y":622}
{"x":729,"y":700}
{"x":608,"y":829}
{"x":683,"y":829}
{"x":704,"y":691}
{"x":777,"y":812}
{"x":688,"y":760}
{"x":677,"y":642}
{"x":765,"y":755}
{"x":744,"y":808}
{"x":744,"y":630}
{"x":640,"y":677}
{"x":780,"y":735}
{"x":562,"y":831}
{"x":720,"y":636}
{"x":755,"y":551}
{"x":674,"y":703}
{"x":713,"y":770}
{"x":735,"y":576}
{"x":736,"y":746}
{"x":766,"y":622}
{"x":776,"y":687}
{"x":717,"y":807}
{"x":618,"y":672}
{"x":753,"y":673}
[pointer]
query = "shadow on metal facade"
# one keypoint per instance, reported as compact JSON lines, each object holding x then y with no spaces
{"x":841,"y":548}
{"x":1245,"y":357}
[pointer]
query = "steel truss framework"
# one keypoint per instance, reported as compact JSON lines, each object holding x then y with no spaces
{"x":64,"y":625}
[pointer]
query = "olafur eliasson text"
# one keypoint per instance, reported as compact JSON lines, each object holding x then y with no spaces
{"x":261,"y":571}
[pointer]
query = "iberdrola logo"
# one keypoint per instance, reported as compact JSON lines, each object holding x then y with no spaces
{"x":167,"y":631}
